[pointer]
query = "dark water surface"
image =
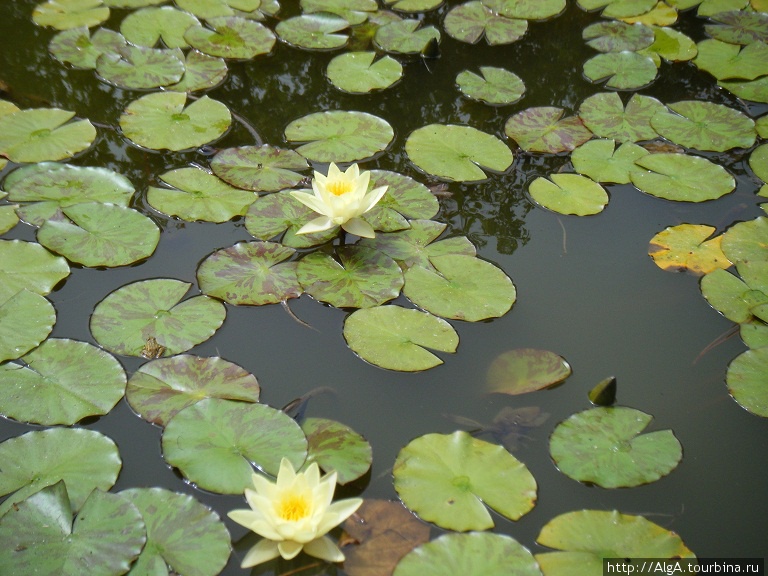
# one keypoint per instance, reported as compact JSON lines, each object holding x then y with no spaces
{"x":587,"y":289}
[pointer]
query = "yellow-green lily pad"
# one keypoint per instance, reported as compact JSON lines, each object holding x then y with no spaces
{"x":495,"y":86}
{"x":747,"y":380}
{"x":357,"y":73}
{"x":43,"y":134}
{"x":26,"y":319}
{"x":569,"y":194}
{"x":27,"y":265}
{"x":705,"y":126}
{"x":471,"y":21}
{"x":601,"y":161}
{"x":682,"y":178}
{"x":231,"y":37}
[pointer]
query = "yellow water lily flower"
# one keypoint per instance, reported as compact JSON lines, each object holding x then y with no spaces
{"x":341,"y":198}
{"x":293,"y":514}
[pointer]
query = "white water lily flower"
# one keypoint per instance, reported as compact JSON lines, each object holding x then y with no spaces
{"x":341,"y":198}
{"x":293,"y":514}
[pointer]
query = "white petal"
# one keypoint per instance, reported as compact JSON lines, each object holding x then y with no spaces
{"x":333,"y":171}
{"x":353,"y":171}
{"x":316,"y":225}
{"x":312,"y":202}
{"x":312,"y":474}
{"x":289,"y":549}
{"x":359,"y":227}
{"x":337,"y":513}
{"x":263,"y":551}
{"x":372,"y":198}
{"x":325,"y":549}
{"x":244,"y":517}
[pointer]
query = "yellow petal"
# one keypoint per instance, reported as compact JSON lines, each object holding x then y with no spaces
{"x":289,"y":549}
{"x":359,"y":227}
{"x":263,"y":551}
{"x":325,"y":549}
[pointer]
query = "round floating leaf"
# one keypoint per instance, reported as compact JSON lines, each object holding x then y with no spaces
{"x":147,"y":26}
{"x":199,"y":195}
{"x":618,"y":8}
{"x":747,"y":377}
{"x":727,"y":61}
{"x":231,"y":37}
{"x":604,"y":446}
{"x":543,"y":129}
{"x":27,"y":265}
{"x":78,"y":48}
{"x":405,"y":198}
{"x":671,"y":44}
{"x":598,"y":160}
{"x":587,"y":536}
{"x":449,"y":479}
{"x":468,"y":22}
{"x":685,"y":247}
{"x":181,"y":533}
{"x":353,"y":11}
{"x":214,"y":442}
{"x":755,"y":90}
{"x":361,"y":278}
{"x":66,"y":14}
{"x":705,"y":126}
{"x":758,"y":161}
{"x":124,"y":321}
{"x":405,"y":37}
{"x":131,"y":3}
{"x":356,"y":72}
{"x":616,"y":36}
{"x":730,"y":296}
{"x":495,"y":86}
{"x":472,"y":553}
{"x":746,"y":241}
{"x":160,"y":121}
{"x":464,"y":288}
{"x":161,"y":388}
{"x":250,"y":273}
{"x":26,"y":319}
{"x":40,"y":538}
{"x":43,"y":134}
{"x":207,"y":9}
{"x":739,"y":27}
{"x":201,"y":72}
{"x":413,"y":5}
{"x":138,"y":68}
{"x":395,"y":338}
{"x":259,"y":168}
{"x":84,"y":459}
{"x":339,"y":135}
{"x":569,"y":194}
{"x":457,"y":152}
{"x":605,"y":115}
{"x":754,"y":333}
{"x":660,"y":15}
{"x":100,"y":235}
{"x":61,"y":382}
{"x":526,"y":370}
{"x":314,"y":31}
{"x":682,"y":178}
{"x":527,"y":9}
{"x":49,"y":187}
{"x":621,"y":70}
{"x":337,"y":448}
{"x":274,"y":214}
{"x":8,"y":216}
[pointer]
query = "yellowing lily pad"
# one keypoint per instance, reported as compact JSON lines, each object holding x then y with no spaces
{"x":544,"y":129}
{"x":449,"y":479}
{"x":747,"y":380}
{"x":604,"y":446}
{"x":685,"y":247}
{"x":470,"y":21}
{"x":42,"y":134}
{"x":337,"y":448}
{"x":526,"y":370}
{"x":682,"y":178}
{"x":569,"y":194}
{"x":705,"y":126}
{"x":26,"y":319}
{"x":606,"y":116}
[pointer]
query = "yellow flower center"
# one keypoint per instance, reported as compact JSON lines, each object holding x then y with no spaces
{"x":293,"y":507}
{"x":339,"y":187}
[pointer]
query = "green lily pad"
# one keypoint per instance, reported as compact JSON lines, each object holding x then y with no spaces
{"x":194,"y":194}
{"x":710,"y":8}
{"x":472,"y":553}
{"x":361,"y":278}
{"x":8,"y":216}
{"x":605,"y":115}
{"x":353,"y":11}
{"x":95,"y":234}
{"x":682,"y":178}
{"x":746,"y":241}
{"x":43,"y":134}
{"x":163,"y":387}
{"x":621,"y":70}
{"x":405,"y":36}
{"x":730,"y":61}
{"x":78,"y":48}
{"x":337,"y":448}
{"x":739,"y":27}
{"x":705,"y":126}
{"x":755,"y":90}
{"x":618,"y":8}
{"x":146,"y":27}
{"x":131,"y":3}
{"x":585,"y":537}
{"x":139,"y":68}
{"x":731,"y":296}
{"x":758,"y":161}
{"x":160,"y":121}
{"x":279,"y":213}
{"x":40,"y":536}
{"x":457,"y":152}
{"x":449,"y":479}
{"x":27,"y":265}
{"x":405,"y":199}
{"x":314,"y":31}
{"x":754,"y":333}
{"x":601,"y":161}
{"x":569,"y":194}
{"x":526,"y":370}
{"x":463,"y":288}
{"x":50,"y":187}
{"x":356,"y":72}
{"x":201,"y":72}
{"x":746,"y":378}
{"x":61,"y":382}
{"x":66,"y":14}
{"x":470,"y":21}
{"x":124,"y":320}
{"x":671,"y":45}
{"x":616,"y":36}
{"x":604,"y":446}
{"x":687,"y":247}
{"x":395,"y":338}
{"x":543,"y":129}
{"x":413,"y":5}
{"x":26,"y":319}
{"x":259,"y":168}
{"x":207,"y":9}
{"x":527,"y":9}
{"x":231,"y":37}
{"x":182,"y":534}
{"x":339,"y":135}
{"x":84,"y":459}
{"x":495,"y":86}
{"x":761,"y":124}
{"x":214,"y":443}
{"x":250,"y":273}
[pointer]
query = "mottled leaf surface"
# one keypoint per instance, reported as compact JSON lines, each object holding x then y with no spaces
{"x":606,"y":116}
{"x":524,"y":370}
{"x":337,"y":448}
{"x":545,"y":129}
{"x":688,"y":247}
{"x":259,"y":168}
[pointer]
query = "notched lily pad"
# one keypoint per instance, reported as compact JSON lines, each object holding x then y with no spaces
{"x":526,"y":370}
{"x":357,"y":73}
{"x":141,"y":68}
{"x":569,"y":194}
{"x":336,"y":447}
{"x":231,"y":37}
{"x":544,"y":129}
{"x":495,"y":86}
{"x":281,"y":213}
{"x":146,"y":27}
{"x":688,"y":247}
{"x":314,"y":31}
{"x":681,"y":177}
{"x":471,"y":21}
{"x":617,"y":36}
{"x":43,"y":134}
{"x":746,"y":378}
{"x":601,"y":161}
{"x":405,"y":36}
{"x":606,"y":116}
{"x":78,"y":48}
{"x":621,"y":70}
{"x":705,"y":126}
{"x":259,"y":168}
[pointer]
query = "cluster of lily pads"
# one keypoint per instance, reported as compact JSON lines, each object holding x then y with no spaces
{"x":84,"y":215}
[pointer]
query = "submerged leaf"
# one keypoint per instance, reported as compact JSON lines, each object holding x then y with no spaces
{"x":526,"y":370}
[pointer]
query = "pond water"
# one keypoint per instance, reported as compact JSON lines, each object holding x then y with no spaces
{"x":586,"y":287}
